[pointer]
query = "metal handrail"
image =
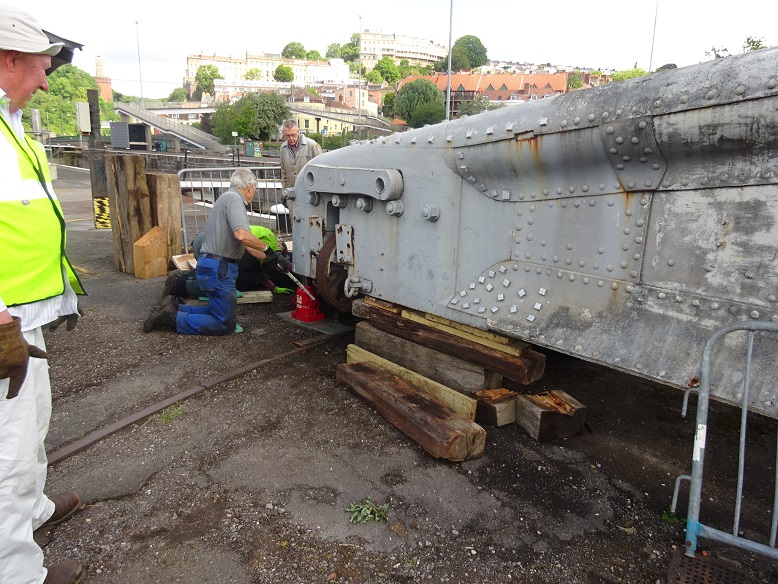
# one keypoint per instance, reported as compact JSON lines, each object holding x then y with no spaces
{"x":694,"y":528}
{"x":185,"y":131}
{"x":216,"y":180}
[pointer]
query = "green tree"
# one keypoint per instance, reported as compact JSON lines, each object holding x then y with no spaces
{"x":283,"y":74}
{"x":350,"y":51}
{"x":293,"y":51}
{"x":459,"y":60}
{"x":415,"y":94}
{"x":255,"y":116}
{"x":476,"y":106}
{"x":121,"y":98}
{"x":206,"y":123}
{"x":67,"y":85}
{"x":387,"y":106}
{"x":374,"y":77}
{"x":253,"y":75}
{"x":474,"y":49}
{"x":754,"y":44}
{"x":314,"y":56}
{"x":178,"y":94}
{"x":427,"y":113}
{"x":388,"y":70}
{"x":333,"y":51}
{"x":628,"y":74}
{"x":204,"y":79}
{"x":574,"y":80}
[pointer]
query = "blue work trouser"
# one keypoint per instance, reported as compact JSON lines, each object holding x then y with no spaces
{"x":217,"y":280}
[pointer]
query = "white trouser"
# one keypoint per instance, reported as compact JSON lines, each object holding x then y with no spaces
{"x":24,"y":421}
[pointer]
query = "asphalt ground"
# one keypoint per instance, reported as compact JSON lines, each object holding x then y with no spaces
{"x":248,"y":480}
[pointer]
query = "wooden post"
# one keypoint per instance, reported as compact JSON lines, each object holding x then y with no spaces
{"x":165,"y":197}
{"x":128,"y":195}
{"x":96,"y":155}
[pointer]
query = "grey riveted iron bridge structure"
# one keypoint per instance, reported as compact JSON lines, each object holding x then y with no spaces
{"x":625,"y":225}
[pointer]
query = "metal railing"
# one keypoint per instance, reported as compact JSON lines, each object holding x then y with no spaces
{"x":184,"y":131}
{"x":695,"y":529}
{"x":200,"y":187}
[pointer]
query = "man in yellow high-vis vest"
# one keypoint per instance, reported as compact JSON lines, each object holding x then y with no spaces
{"x":37,"y":287}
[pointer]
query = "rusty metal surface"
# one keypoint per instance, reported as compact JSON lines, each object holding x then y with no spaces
{"x":646,"y":212}
{"x":705,"y":570}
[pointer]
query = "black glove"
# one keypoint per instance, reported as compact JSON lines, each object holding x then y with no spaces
{"x":271,"y":260}
{"x":72,"y":320}
{"x":15,"y":355}
{"x":285,"y":264}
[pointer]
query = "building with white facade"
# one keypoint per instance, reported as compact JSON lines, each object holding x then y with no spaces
{"x":376,"y":45}
{"x":233,"y":71}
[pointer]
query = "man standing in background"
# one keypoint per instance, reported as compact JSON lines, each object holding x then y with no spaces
{"x":37,"y":287}
{"x":296,"y":151}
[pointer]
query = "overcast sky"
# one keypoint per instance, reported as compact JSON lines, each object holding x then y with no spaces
{"x":604,"y":34}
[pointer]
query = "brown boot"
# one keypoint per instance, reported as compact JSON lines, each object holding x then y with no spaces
{"x":70,"y":572}
{"x":66,"y":505}
{"x":164,"y":317}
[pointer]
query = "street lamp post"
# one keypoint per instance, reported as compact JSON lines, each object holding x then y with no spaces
{"x":359,"y":88}
{"x":235,"y":146}
{"x":140,"y":74}
{"x":448,"y":80}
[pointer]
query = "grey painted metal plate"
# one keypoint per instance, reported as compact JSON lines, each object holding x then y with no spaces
{"x":623,"y":225}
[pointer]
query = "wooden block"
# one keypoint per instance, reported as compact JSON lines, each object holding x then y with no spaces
{"x":165,"y":202}
{"x":185,"y":261}
{"x":503,"y":340}
{"x":458,"y":402}
{"x":249,"y":297}
{"x":256,"y":297}
{"x":438,"y":429}
{"x":517,"y":349}
{"x":378,"y":303}
{"x":150,"y":255}
{"x":452,"y":372}
{"x":524,"y":368}
{"x":550,"y":415}
{"x":496,"y":407}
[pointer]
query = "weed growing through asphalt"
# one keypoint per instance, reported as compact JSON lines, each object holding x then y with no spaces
{"x":171,"y":413}
{"x":671,"y":518}
{"x":366,"y":510}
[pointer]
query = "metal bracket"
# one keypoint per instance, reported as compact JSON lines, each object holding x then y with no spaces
{"x":354,"y":285}
{"x":376,"y":183}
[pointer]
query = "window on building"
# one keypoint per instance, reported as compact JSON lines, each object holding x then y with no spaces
{"x":307,"y":124}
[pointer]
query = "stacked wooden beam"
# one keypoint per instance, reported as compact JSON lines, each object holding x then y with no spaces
{"x":434,"y":379}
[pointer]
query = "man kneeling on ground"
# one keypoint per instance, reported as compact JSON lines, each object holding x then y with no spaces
{"x":227,"y":236}
{"x":253,"y":274}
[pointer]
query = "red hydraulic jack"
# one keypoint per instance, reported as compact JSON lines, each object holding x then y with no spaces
{"x":307,"y":305}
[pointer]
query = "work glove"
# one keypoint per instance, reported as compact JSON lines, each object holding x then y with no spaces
{"x":15,"y":355}
{"x":271,"y":259}
{"x":72,"y":320}
{"x":279,"y":290}
{"x":284,"y":263}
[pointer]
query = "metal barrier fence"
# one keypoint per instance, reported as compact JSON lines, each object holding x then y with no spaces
{"x":200,"y":187}
{"x":695,"y":529}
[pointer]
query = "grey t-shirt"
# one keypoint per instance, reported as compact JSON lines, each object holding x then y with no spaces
{"x":227,"y":215}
